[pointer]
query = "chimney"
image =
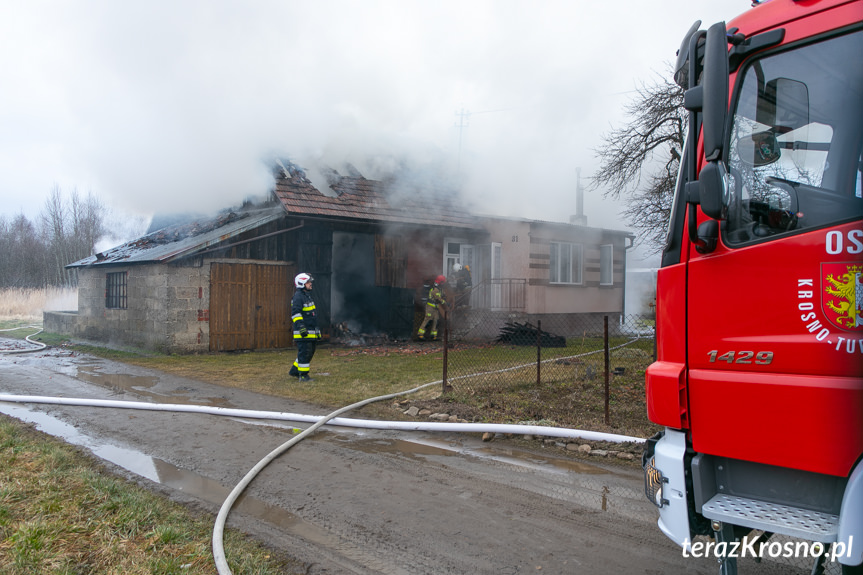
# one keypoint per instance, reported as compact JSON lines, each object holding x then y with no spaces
{"x":579,"y":219}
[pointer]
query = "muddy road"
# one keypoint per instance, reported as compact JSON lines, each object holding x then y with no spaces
{"x":354,"y":501}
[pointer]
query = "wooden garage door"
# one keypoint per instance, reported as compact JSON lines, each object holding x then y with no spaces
{"x":250,"y":306}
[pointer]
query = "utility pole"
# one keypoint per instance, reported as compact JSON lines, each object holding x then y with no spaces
{"x":463,"y":122}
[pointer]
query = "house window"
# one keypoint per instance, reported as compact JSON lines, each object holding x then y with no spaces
{"x":565,"y":263}
{"x":606,"y":261}
{"x":496,"y":251}
{"x":115,"y":290}
{"x":457,"y":251}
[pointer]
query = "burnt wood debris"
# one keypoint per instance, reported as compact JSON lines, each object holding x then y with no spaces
{"x":526,"y":334}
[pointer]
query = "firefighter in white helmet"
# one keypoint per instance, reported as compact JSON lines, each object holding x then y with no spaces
{"x":306,"y":332}
{"x":463,"y":284}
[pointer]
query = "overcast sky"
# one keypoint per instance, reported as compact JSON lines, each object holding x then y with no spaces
{"x":176,"y":106}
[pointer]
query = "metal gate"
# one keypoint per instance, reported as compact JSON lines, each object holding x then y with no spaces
{"x":250,"y":306}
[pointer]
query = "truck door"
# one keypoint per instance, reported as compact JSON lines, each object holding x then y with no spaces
{"x":775,"y":312}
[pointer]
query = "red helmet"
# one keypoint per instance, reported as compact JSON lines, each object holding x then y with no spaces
{"x":440,"y":279}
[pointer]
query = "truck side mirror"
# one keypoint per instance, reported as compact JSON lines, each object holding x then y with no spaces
{"x":784,"y":105}
{"x":715,"y":84}
{"x":758,"y":149}
{"x":681,"y":66}
{"x":713,"y":190}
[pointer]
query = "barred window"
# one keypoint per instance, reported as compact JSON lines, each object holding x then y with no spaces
{"x":115,"y":290}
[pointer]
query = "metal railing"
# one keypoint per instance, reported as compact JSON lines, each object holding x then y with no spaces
{"x":499,"y":294}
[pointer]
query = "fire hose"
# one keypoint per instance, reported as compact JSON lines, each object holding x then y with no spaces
{"x":39,"y":345}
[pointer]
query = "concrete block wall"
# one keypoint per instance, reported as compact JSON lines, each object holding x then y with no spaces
{"x":167,"y":308}
{"x":188,"y":314}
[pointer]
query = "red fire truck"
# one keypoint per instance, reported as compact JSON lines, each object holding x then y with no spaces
{"x":759,"y":374}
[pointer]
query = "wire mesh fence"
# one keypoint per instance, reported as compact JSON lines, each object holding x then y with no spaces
{"x":554,"y":365}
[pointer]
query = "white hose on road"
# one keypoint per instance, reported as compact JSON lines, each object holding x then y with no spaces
{"x":39,"y":345}
{"x":333,"y":419}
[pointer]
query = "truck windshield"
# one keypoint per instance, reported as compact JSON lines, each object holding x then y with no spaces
{"x":796,"y":148}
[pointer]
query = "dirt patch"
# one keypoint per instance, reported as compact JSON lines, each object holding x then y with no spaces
{"x":575,"y":405}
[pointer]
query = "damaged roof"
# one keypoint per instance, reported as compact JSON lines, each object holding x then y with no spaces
{"x":183,"y":240}
{"x":350,"y":197}
{"x":357,"y":198}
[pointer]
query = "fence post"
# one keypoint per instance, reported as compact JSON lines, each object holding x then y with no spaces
{"x":538,"y":350}
{"x":607,"y":361}
{"x":654,"y":340}
{"x":444,"y":386}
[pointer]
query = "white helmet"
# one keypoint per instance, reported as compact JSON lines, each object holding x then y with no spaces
{"x":302,"y":279}
{"x":456,"y":268}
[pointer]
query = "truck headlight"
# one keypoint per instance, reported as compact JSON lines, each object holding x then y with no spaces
{"x":653,"y":482}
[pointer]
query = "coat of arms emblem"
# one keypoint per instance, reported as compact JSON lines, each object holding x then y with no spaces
{"x":842,"y":294}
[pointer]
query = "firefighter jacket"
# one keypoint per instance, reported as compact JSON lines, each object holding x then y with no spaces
{"x":462,"y":279}
{"x":436,"y":297}
{"x":303,"y":315}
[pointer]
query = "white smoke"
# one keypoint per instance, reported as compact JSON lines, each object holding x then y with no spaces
{"x":164,"y":106}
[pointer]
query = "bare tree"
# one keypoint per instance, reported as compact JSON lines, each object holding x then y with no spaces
{"x":88,"y":224}
{"x":70,"y":230}
{"x":23,"y":256}
{"x":639,"y":162}
{"x":54,"y":232}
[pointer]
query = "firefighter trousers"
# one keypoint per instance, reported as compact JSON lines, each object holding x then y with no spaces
{"x":305,"y":352}
{"x":432,"y":316}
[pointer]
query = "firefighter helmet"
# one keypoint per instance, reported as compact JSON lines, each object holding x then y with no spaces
{"x":440,"y":279}
{"x":456,"y":268}
{"x":302,"y":279}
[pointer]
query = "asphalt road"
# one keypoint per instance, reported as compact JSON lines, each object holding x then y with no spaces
{"x":355,"y":501}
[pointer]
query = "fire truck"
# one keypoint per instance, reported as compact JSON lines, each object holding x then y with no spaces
{"x":758,"y":378}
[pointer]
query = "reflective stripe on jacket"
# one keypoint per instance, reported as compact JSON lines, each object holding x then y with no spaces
{"x":435,"y":297}
{"x":303,"y":314}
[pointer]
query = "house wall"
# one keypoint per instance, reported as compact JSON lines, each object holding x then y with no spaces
{"x":525,"y":254}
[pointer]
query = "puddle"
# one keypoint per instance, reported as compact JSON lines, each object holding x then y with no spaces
{"x":432,"y":447}
{"x":141,"y":385}
{"x":129,"y":459}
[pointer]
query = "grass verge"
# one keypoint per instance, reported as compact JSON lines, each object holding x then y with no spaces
{"x":571,"y":392}
{"x":61,"y":512}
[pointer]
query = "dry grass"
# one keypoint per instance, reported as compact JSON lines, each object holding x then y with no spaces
{"x":60,"y":512}
{"x":28,"y":304}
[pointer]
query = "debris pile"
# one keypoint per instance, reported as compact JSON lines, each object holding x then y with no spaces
{"x":528,"y":334}
{"x":343,"y":335}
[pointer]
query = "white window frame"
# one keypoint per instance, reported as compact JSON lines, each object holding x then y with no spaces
{"x":465,"y":256}
{"x":606,"y":265}
{"x":559,"y":272}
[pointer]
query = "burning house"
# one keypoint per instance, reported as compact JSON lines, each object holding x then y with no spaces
{"x":225,"y":283}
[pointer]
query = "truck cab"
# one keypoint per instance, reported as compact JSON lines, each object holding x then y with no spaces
{"x":759,"y":373}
